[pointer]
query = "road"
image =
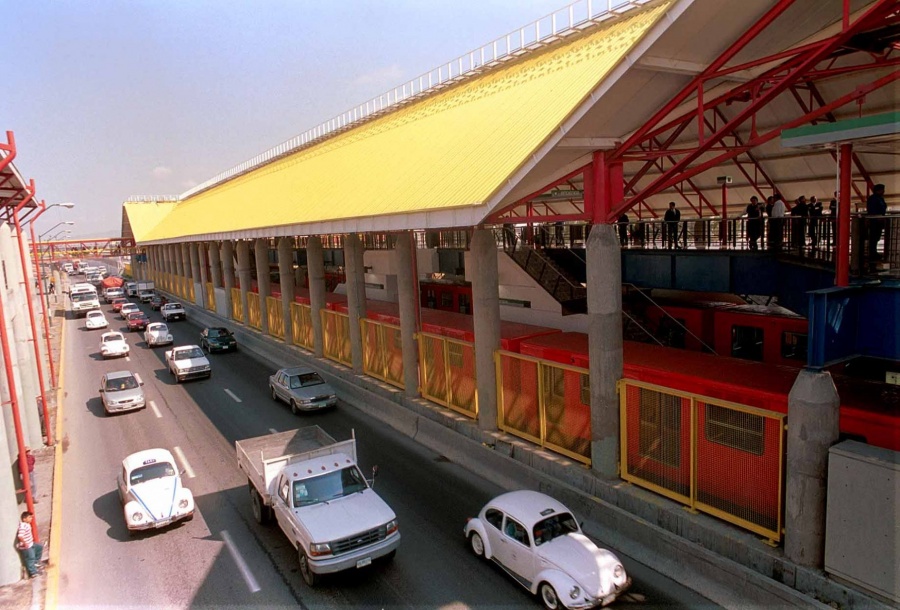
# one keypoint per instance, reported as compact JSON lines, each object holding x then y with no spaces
{"x":192,"y":565}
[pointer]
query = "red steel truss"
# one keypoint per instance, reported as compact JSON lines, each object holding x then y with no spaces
{"x":82,"y":248}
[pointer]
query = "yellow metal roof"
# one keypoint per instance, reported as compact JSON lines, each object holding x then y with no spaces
{"x":143,"y":216}
{"x":448,"y":150}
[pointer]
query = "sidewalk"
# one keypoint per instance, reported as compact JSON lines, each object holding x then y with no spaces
{"x":30,"y":593}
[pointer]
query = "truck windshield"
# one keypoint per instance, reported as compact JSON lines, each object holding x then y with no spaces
{"x":330,"y":486}
{"x":81,"y":297}
{"x":189,"y":353}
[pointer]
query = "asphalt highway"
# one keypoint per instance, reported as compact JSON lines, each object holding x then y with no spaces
{"x":223,"y":557}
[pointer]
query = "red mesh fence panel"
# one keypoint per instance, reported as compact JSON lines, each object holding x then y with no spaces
{"x":567,"y":410}
{"x":520,"y":407}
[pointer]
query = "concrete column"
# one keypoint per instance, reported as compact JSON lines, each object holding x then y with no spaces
{"x":215,"y":265}
{"x":194,"y":254}
{"x":173,"y":269}
{"x":604,"y":301}
{"x":813,"y":410}
{"x":286,"y":279}
{"x":228,"y":275}
{"x":356,"y":296}
{"x":315,"y":260}
{"x":261,"y":250}
{"x":486,"y":306}
{"x":184,"y":263}
{"x":245,"y":276}
{"x":405,"y":257}
{"x":202,"y":258}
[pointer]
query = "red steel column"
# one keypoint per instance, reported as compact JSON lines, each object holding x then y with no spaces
{"x":842,"y":247}
{"x":34,"y":331}
{"x":17,"y":421}
{"x":34,"y":255}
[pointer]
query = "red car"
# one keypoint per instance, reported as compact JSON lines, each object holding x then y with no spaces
{"x":117,"y":303}
{"x":137,"y":321}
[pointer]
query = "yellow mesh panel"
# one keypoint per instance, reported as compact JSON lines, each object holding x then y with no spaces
{"x":210,"y":297}
{"x":253,"y":309}
{"x":237,"y":306}
{"x":275,"y":317}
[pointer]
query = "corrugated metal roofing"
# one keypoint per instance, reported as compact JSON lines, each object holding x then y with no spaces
{"x":450,"y":150}
{"x":142,"y":216}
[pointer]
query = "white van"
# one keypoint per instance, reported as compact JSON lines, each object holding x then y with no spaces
{"x":131,"y":289}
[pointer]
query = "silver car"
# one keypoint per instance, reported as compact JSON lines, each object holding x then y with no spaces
{"x":302,"y":388}
{"x":121,"y":391}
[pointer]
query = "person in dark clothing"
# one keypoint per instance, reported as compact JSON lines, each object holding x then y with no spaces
{"x":754,"y":223}
{"x":623,"y":229}
{"x":815,"y":215}
{"x":800,"y":214}
{"x":876,"y":207}
{"x":672,"y":219}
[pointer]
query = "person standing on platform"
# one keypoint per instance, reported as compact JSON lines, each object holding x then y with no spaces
{"x":799,"y":213}
{"x":776,"y":222}
{"x":29,"y":550}
{"x":815,"y":217}
{"x":754,"y":223}
{"x":672,"y":217}
{"x":876,"y":208}
{"x":623,"y":229}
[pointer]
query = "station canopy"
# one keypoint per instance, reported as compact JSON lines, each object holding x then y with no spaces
{"x":508,"y":139}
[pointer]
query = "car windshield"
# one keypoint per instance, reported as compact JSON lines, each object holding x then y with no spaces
{"x":150,"y":472}
{"x":120,"y":384}
{"x":215,"y":333}
{"x":329,"y":486}
{"x":554,"y":527}
{"x":116,"y":337}
{"x":135,"y":315}
{"x":304,"y":380}
{"x":95,"y":314}
{"x":190,"y":353}
{"x":158,"y":328}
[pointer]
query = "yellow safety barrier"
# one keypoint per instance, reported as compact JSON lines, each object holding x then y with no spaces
{"x":254,"y":317}
{"x":448,"y":373}
{"x":237,"y":306}
{"x":545,"y":402}
{"x":719,"y":457}
{"x":336,"y":331}
{"x":210,"y":297}
{"x":382,"y":351}
{"x":301,"y":325}
{"x":276,"y":317}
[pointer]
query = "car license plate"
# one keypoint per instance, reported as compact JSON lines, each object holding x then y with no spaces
{"x":363,"y":562}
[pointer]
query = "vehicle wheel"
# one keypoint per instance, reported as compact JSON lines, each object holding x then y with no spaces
{"x":309,"y":577}
{"x":261,"y":512}
{"x":477,"y":545}
{"x":549,"y":597}
{"x":294,"y":408}
{"x":274,"y":394}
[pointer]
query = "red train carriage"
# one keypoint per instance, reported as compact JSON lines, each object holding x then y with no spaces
{"x":446,"y":296}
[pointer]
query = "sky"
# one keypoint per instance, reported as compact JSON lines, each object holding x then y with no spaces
{"x":112,"y":99}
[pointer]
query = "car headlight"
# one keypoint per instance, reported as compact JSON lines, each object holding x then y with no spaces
{"x":183,"y":503}
{"x":322,"y":548}
{"x":618,"y":571}
{"x":575,"y":592}
{"x":331,"y":396}
{"x":137,"y":516}
{"x":392,"y":526}
{"x":305,"y":401}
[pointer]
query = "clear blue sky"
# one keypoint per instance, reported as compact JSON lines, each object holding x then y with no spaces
{"x":150,"y":97}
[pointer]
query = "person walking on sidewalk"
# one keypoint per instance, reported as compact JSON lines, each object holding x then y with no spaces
{"x":29,"y":464}
{"x":29,"y":550}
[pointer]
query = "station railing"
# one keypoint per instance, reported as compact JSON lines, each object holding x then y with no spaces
{"x":254,"y":318}
{"x":301,"y":325}
{"x":447,"y":373}
{"x":547,"y":403}
{"x":275,"y":317}
{"x":382,"y":351}
{"x":237,"y":306}
{"x":336,"y":334}
{"x":719,"y":457}
{"x":210,"y":297}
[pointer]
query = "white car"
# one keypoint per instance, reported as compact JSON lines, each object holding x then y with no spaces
{"x":128,"y":308}
{"x":95,"y":319}
{"x":151,"y":491}
{"x":113,"y":293}
{"x":121,"y":391}
{"x":113,"y":344}
{"x":157,"y":333}
{"x":538,"y":541}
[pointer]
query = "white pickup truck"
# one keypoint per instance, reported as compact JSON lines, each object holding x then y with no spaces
{"x":320,"y":499}
{"x":187,"y":362}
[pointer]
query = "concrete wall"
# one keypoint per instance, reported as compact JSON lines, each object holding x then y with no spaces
{"x":862,"y":535}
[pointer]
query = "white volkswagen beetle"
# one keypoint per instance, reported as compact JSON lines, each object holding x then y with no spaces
{"x":157,"y":333}
{"x":113,"y":344}
{"x":151,"y":491}
{"x":95,"y":319}
{"x":540,"y":544}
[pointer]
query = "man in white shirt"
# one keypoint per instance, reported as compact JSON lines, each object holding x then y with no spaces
{"x":776,"y":222}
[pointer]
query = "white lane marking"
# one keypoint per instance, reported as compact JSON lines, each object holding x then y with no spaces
{"x":273,"y":430}
{"x":241,"y":564}
{"x":155,"y":409}
{"x":233,"y":395}
{"x":184,"y":462}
